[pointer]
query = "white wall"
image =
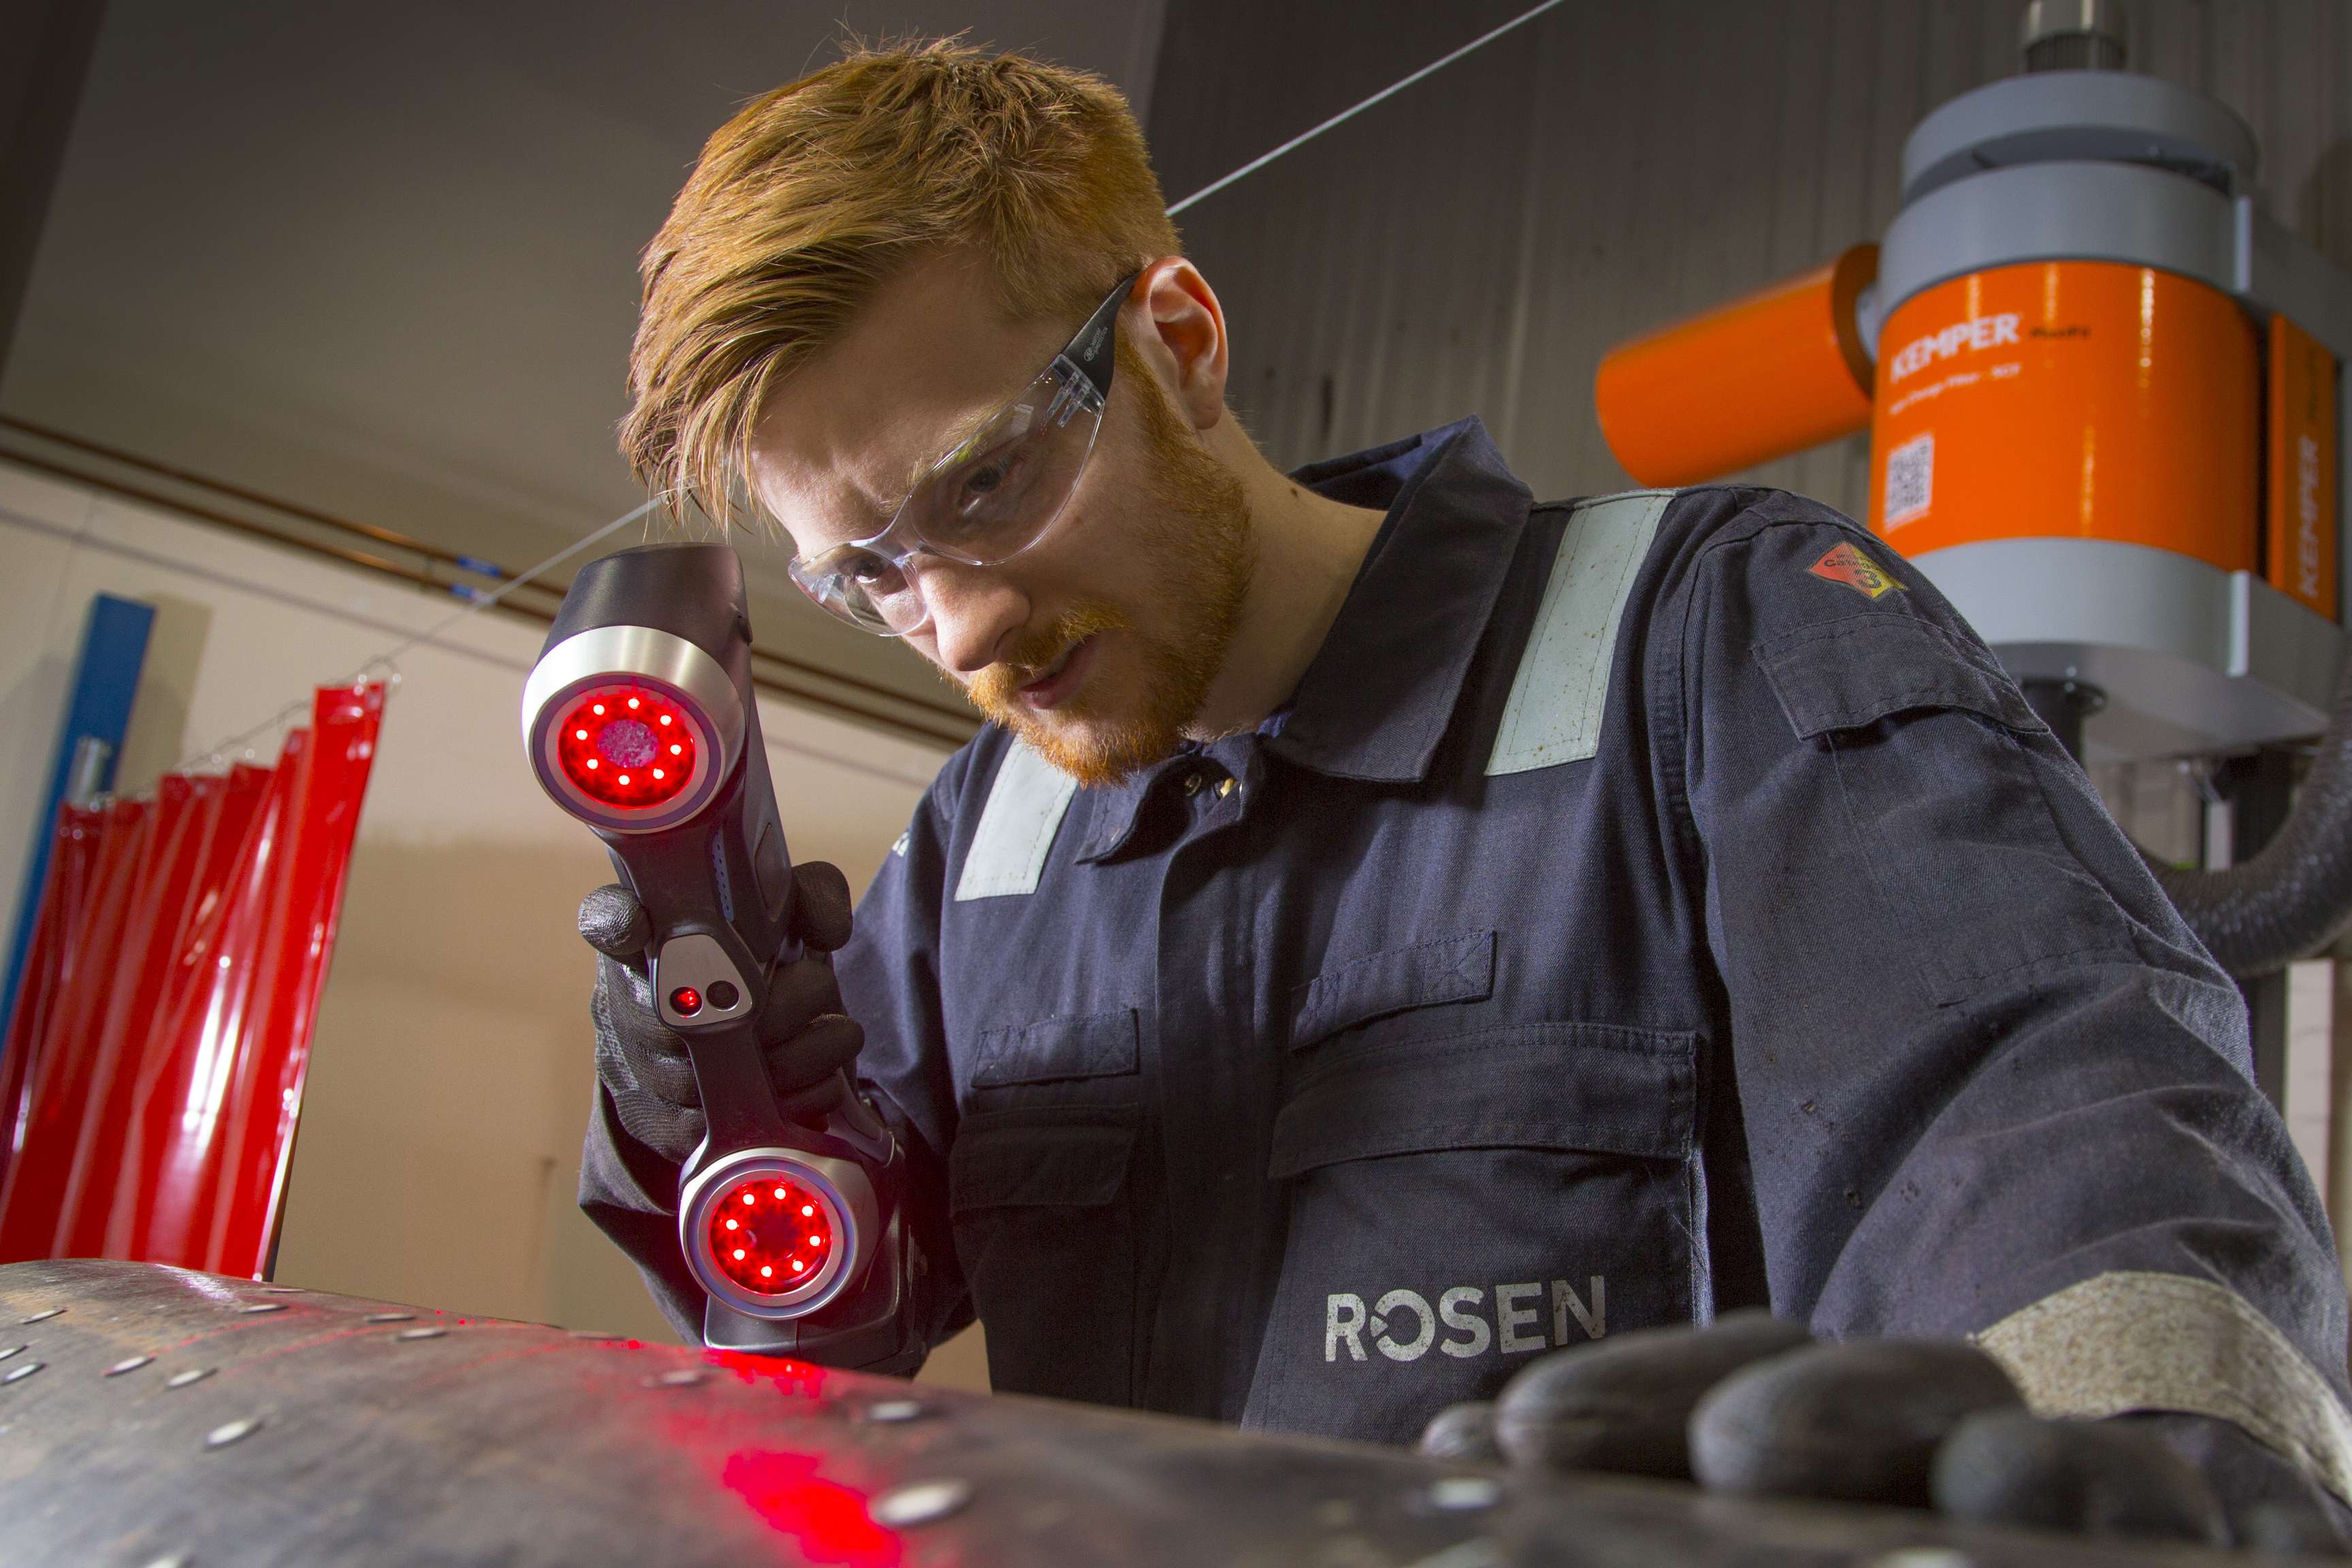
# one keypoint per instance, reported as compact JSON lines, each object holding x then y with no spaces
{"x":451,"y":1072}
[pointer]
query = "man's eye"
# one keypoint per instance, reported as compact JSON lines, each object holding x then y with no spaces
{"x":984,"y":480}
{"x":869,"y":570}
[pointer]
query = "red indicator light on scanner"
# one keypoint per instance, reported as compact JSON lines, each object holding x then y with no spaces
{"x":685,"y":1000}
{"x":763,"y":1240}
{"x":627,"y":746}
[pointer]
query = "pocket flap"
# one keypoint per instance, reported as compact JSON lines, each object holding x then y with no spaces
{"x":1458,"y":968}
{"x":1529,"y":1086}
{"x":999,"y":1166}
{"x":1853,"y":672}
{"x":1092,"y":1045}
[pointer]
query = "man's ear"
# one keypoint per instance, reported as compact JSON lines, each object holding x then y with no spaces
{"x":1183,"y":336}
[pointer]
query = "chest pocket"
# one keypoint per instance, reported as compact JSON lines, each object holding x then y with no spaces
{"x":1955,"y":789}
{"x":1463,"y":1192}
{"x":1044,"y":1233}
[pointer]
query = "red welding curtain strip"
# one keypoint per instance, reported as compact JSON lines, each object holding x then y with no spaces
{"x":163,"y":1027}
{"x":73,"y":864}
{"x":212,"y":1028}
{"x":167,"y":1126}
{"x":140,"y":969}
{"x":61,"y":1073}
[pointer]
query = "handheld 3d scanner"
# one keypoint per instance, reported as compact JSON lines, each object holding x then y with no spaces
{"x":639,"y":720}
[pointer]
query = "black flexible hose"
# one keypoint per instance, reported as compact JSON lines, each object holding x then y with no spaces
{"x":2296,"y":895}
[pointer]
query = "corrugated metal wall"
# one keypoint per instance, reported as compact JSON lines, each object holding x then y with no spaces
{"x":1473,"y":245}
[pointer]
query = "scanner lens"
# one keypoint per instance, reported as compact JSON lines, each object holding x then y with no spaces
{"x":626,"y":745}
{"x":770,"y":1234}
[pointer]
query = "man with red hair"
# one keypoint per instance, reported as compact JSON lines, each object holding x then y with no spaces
{"x":1391,"y":928}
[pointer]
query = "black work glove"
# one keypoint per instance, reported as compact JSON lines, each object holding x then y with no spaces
{"x":1754,"y":1406}
{"x":642,"y":1061}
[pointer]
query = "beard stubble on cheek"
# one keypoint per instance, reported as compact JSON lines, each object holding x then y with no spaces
{"x":1195,"y":555}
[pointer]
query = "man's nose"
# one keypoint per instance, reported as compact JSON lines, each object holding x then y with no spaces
{"x":975,"y":613}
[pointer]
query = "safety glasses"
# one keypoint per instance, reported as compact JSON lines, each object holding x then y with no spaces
{"x":987,"y":500}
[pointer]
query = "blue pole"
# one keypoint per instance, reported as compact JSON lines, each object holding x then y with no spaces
{"x":106,"y":678}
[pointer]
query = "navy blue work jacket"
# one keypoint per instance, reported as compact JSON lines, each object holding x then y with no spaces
{"x":1643,"y":908}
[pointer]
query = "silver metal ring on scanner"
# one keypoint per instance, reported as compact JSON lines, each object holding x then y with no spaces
{"x":848,"y":1227}
{"x":658,"y":658}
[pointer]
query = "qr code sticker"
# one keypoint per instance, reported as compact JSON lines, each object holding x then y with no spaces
{"x":1910,"y":480}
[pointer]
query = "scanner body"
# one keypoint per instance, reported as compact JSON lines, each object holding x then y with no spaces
{"x":639,"y":719}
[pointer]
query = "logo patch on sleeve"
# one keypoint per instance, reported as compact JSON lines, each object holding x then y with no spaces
{"x":1850,"y":568}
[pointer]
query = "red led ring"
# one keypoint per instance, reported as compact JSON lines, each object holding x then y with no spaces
{"x":832,"y":1197}
{"x":770,"y":1234}
{"x":626,"y":745}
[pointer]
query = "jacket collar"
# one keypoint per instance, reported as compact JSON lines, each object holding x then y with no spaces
{"x":1378,"y":698}
{"x":1380,"y":691}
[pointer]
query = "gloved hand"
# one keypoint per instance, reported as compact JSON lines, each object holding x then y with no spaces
{"x":1754,"y":1406}
{"x":643,"y":1062}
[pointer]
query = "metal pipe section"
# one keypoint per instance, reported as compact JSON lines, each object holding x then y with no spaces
{"x":152,"y":1415}
{"x":474,"y":565}
{"x":2074,"y":35}
{"x":777,"y":673}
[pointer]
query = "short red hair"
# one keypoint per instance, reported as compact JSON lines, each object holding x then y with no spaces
{"x":817,"y":191}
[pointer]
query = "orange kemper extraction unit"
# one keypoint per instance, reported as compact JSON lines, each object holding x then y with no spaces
{"x":2104,"y":394}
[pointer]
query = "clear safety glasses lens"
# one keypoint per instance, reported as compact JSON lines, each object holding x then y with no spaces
{"x":985,"y":502}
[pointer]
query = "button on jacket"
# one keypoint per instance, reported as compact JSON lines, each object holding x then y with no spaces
{"x":1645,"y":908}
